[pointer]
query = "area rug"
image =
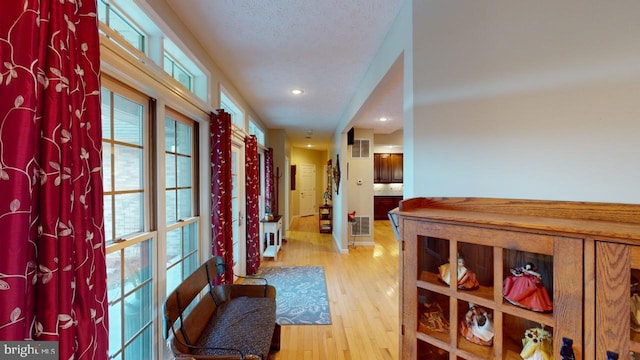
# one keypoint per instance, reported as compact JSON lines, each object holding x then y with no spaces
{"x":301,"y":294}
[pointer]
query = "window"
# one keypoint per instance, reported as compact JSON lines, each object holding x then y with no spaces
{"x":181,"y":66}
{"x":130,"y":290}
{"x":182,"y":227}
{"x":177,"y":72}
{"x":129,"y":258}
{"x":123,"y":122}
{"x":255,"y":130}
{"x":237,"y":115}
{"x":114,"y":19}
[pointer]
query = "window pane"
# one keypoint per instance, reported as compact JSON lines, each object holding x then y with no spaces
{"x":182,"y":76}
{"x":190,"y":264}
{"x":128,"y":214}
{"x":127,"y":122}
{"x":174,"y":277}
{"x":137,"y":267}
{"x":168,"y":65}
{"x":105,"y":96}
{"x":184,"y":203}
{"x":172,"y":214}
{"x":184,"y":171}
{"x":128,"y":32}
{"x":141,"y":345}
{"x":114,"y":275}
{"x":106,"y":167}
{"x":169,"y":135}
{"x":115,"y":327}
{"x":128,"y":168}
{"x":137,"y":312}
{"x":183,"y":138}
{"x":108,"y":218}
{"x":190,"y":236}
{"x":102,"y":11}
{"x":234,"y":187}
{"x":174,"y":246}
{"x":170,"y":168}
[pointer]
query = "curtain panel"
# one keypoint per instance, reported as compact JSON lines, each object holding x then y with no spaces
{"x":252,"y":173}
{"x":52,"y":272}
{"x":221,"y":221}
{"x":268,"y":181}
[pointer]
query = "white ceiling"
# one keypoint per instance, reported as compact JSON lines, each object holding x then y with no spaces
{"x":324,"y":47}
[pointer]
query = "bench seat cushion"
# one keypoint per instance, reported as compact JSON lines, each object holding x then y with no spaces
{"x":244,"y":323}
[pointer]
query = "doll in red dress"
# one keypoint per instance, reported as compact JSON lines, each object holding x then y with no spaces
{"x":524,"y":288}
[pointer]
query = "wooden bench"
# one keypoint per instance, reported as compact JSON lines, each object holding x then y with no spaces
{"x":223,"y":322}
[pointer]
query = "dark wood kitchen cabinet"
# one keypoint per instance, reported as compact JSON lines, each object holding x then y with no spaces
{"x":382,"y":205}
{"x":387,"y":168}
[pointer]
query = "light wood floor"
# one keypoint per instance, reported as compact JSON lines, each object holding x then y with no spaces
{"x":363,"y":295}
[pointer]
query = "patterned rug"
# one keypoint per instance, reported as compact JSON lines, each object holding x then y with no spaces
{"x":301,"y":294}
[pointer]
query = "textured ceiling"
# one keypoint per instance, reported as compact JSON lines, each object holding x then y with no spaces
{"x":324,"y":47}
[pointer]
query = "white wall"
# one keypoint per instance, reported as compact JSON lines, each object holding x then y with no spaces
{"x":533,"y":100}
{"x":396,"y":43}
{"x":361,"y":195}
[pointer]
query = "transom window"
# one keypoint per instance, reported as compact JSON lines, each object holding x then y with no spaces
{"x":114,"y":19}
{"x":178,"y":72}
{"x":230,"y":106}
{"x":255,"y":130}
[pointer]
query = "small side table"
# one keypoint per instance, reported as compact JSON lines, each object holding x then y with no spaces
{"x":272,"y":231}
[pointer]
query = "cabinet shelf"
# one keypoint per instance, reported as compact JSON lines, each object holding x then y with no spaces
{"x":325,"y":219}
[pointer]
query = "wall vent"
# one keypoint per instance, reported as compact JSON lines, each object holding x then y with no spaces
{"x":361,"y":226}
{"x":360,"y":148}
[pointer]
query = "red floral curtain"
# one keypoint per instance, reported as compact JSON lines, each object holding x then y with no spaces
{"x":221,"y":230}
{"x":252,"y":173}
{"x":52,"y":272}
{"x":268,"y":181}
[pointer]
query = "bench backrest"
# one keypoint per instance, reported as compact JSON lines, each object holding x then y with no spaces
{"x":182,"y":329}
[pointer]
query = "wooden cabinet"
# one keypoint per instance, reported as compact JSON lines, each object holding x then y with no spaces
{"x":586,"y":253}
{"x":387,"y":168}
{"x":325,"y":219}
{"x":617,"y":267}
{"x":395,"y":161}
{"x":383,"y":204}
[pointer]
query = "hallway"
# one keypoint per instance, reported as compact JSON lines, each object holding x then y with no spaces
{"x":363,"y":295}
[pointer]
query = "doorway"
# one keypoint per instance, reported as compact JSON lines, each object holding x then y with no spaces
{"x":307,"y":189}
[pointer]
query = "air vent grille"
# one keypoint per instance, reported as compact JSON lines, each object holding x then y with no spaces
{"x":361,"y":226}
{"x":360,"y":148}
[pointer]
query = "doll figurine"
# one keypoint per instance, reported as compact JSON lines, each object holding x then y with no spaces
{"x":537,"y":344}
{"x":635,"y":312}
{"x":476,"y":326}
{"x":433,"y":318}
{"x":466,"y":278}
{"x":524,"y":288}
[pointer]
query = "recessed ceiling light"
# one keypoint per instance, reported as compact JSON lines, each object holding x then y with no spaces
{"x":297,"y":92}
{"x":383,"y":119}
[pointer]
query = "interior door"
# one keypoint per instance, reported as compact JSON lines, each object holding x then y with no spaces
{"x":307,"y":189}
{"x":237,"y":209}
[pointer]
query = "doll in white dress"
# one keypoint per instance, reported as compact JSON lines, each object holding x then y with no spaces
{"x":537,"y":344}
{"x":466,"y":278}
